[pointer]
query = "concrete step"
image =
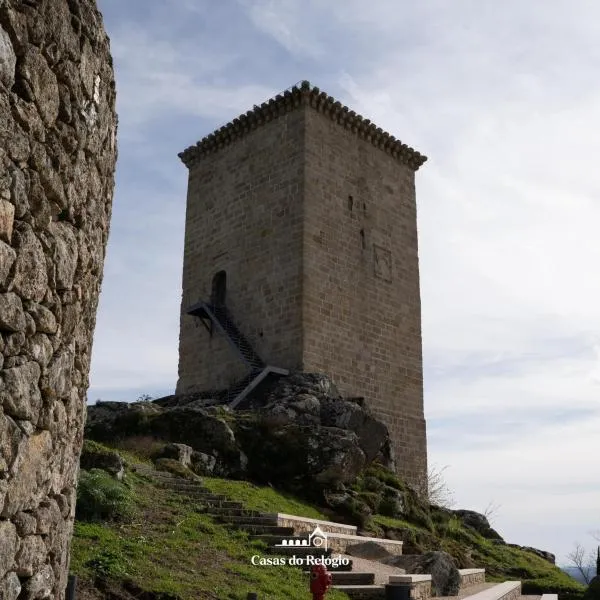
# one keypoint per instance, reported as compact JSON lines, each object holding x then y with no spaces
{"x":508,"y":590}
{"x":362,"y":592}
{"x":350,"y":578}
{"x":271,"y":530}
{"x":233,"y":512}
{"x":269,"y":520}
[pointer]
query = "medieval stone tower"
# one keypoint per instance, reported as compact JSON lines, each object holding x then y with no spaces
{"x":301,"y":254}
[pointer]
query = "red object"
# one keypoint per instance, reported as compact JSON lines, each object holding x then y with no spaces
{"x":320,"y":581}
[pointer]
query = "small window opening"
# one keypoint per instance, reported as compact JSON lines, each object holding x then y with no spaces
{"x":350,"y":203}
{"x":219,"y":289}
{"x":362,"y":238}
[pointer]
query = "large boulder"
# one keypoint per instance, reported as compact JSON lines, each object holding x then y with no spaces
{"x":313,"y":399}
{"x":478,"y":522}
{"x":96,"y":456}
{"x":445,"y":578}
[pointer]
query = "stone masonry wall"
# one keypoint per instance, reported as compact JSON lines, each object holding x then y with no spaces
{"x":244,"y":216}
{"x":311,"y":211}
{"x":57,"y":157}
{"x":362,"y":310}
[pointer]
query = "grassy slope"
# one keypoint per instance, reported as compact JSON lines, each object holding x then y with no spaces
{"x":170,"y":547}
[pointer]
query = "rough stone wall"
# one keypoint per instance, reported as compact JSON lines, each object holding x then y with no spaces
{"x":57,"y":157}
{"x":362,"y":310}
{"x":244,"y":216}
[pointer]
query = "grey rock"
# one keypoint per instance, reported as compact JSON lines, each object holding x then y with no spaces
{"x":445,"y":578}
{"x":65,"y":254}
{"x":179,"y":452}
{"x":25,"y":523}
{"x":8,"y":60}
{"x":39,"y":587}
{"x":30,"y":277}
{"x":43,"y":84}
{"x":203,"y":464}
{"x":44,"y":318}
{"x":48,"y":517}
{"x":94,"y":456}
{"x":31,"y":555}
{"x":9,"y":542}
{"x":7,"y":259}
{"x":57,"y":381}
{"x":12,"y":316}
{"x":10,"y":587}
{"x":14,"y":344}
{"x":478,"y":522}
{"x":39,"y":348}
{"x":7,"y":216}
{"x":20,"y":394}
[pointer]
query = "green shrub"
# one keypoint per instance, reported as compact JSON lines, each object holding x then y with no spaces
{"x":100,"y":497}
{"x":389,"y":507}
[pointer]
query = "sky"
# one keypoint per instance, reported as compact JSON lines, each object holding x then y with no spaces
{"x":504,"y":99}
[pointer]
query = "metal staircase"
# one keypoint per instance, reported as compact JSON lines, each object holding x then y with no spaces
{"x":218,"y":317}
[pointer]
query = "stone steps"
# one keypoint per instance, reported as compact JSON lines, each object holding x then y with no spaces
{"x":268,"y":530}
{"x":362,"y":592}
{"x":273,"y":528}
{"x":268,"y":520}
{"x":508,"y":590}
{"x":350,"y":578}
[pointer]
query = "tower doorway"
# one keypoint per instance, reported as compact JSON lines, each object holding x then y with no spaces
{"x":219,"y":289}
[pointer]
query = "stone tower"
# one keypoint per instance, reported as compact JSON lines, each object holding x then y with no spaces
{"x":57,"y":158}
{"x":301,"y":254}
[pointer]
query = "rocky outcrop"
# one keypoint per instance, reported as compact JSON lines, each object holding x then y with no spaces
{"x":478,"y":522}
{"x":95,"y":456}
{"x":551,"y":558}
{"x":445,"y":578}
{"x":301,"y":435}
{"x":57,"y":156}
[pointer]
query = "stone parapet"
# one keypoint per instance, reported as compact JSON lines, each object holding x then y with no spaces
{"x":302,"y":95}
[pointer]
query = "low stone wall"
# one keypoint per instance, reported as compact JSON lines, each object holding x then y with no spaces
{"x":303,"y":525}
{"x":420,"y":585}
{"x":469,"y":577}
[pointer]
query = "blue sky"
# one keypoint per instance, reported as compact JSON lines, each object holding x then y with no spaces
{"x":504,"y":99}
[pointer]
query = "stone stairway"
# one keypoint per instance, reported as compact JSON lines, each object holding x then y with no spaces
{"x":367,"y":584}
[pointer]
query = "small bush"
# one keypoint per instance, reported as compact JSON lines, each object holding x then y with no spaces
{"x":102,"y":498}
{"x":389,"y":507}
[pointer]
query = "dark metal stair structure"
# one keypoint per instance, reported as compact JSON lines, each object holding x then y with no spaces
{"x":217,"y":316}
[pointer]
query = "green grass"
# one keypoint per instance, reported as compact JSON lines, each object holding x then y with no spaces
{"x":170,"y":547}
{"x":265,"y":499}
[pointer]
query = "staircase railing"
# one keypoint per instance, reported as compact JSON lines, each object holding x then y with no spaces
{"x":220,"y":318}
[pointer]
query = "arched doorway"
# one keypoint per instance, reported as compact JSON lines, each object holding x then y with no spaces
{"x":219,"y":289}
